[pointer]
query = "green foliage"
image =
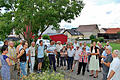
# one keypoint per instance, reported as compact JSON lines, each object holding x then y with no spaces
{"x":45,"y":36}
{"x":118,"y":32}
{"x":94,"y":40}
{"x":101,"y":39}
{"x":37,"y":14}
{"x":45,"y":76}
{"x":92,"y":37}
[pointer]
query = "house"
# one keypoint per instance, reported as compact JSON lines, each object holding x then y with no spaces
{"x":60,"y":30}
{"x":103,"y":30}
{"x":57,"y":37}
{"x":111,"y":33}
{"x":73,"y":34}
{"x":88,"y":30}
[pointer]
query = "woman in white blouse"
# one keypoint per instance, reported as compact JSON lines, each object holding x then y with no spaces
{"x":114,"y":71}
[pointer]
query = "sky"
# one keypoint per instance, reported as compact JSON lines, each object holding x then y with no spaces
{"x":105,"y":13}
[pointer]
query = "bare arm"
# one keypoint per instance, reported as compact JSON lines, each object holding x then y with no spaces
{"x":111,"y":75}
{"x":21,"y":53}
{"x":7,"y":60}
{"x":107,"y":64}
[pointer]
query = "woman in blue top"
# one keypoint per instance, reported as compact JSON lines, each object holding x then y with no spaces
{"x":5,"y":70}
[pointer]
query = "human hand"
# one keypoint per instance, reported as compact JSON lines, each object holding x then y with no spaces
{"x":102,"y":61}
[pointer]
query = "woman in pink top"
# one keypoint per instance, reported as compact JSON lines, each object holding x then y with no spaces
{"x":83,"y":60}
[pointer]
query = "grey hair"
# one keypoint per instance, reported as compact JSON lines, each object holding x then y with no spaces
{"x":117,"y":52}
{"x":109,"y":47}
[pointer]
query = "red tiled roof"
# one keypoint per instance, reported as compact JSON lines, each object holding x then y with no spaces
{"x":113,"y":30}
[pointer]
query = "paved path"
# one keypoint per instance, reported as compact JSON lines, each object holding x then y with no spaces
{"x":73,"y":75}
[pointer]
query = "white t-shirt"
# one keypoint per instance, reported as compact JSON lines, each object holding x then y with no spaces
{"x":70,"y":52}
{"x":32,"y":50}
{"x":115,"y":66}
{"x":77,"y":52}
{"x":59,"y":47}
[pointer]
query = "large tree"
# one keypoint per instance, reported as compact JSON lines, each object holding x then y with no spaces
{"x":37,"y":15}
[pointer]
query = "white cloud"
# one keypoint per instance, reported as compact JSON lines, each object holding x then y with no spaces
{"x":93,"y":13}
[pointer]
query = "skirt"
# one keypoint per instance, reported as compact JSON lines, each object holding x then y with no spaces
{"x":94,"y":63}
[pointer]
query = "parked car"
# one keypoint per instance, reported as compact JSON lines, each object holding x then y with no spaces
{"x":46,"y":43}
{"x":1,"y":44}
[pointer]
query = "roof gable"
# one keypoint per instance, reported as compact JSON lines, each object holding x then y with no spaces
{"x":73,"y":32}
{"x":88,"y":28}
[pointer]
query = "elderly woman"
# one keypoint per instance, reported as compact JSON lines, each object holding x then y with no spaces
{"x":114,"y":71}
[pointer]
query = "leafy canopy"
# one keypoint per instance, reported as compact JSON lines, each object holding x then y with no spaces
{"x":37,"y":15}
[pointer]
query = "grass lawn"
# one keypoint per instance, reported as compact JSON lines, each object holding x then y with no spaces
{"x":113,"y":45}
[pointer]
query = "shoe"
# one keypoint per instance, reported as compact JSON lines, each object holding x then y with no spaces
{"x":91,"y":75}
{"x":71,"y":70}
{"x":78,"y":73}
{"x":87,"y":70}
{"x":95,"y":77}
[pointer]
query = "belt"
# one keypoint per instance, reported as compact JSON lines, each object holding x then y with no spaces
{"x":51,"y":55}
{"x":32,"y":56}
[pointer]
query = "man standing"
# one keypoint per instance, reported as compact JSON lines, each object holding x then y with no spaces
{"x":106,"y":62}
{"x":58,"y":48}
{"x":32,"y":56}
{"x":12,"y":55}
{"x":51,"y":53}
{"x":40,"y":55}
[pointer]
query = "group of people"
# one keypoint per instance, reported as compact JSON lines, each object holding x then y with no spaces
{"x":91,"y":58}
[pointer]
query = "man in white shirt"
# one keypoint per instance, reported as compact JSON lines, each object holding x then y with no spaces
{"x":114,"y":71}
{"x":75,"y":44}
{"x":70,"y":52}
{"x":58,"y":48}
{"x":76,"y":57}
{"x":32,"y":56}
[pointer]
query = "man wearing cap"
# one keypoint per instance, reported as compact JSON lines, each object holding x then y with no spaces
{"x":58,"y":48}
{"x":106,"y":62}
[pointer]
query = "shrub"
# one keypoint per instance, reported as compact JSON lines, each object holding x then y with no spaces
{"x":101,"y":39}
{"x":45,"y":36}
{"x":92,"y":37}
{"x":45,"y":76}
{"x":94,"y":40}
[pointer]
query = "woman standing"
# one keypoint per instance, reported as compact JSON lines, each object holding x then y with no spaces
{"x":82,"y":61}
{"x":94,"y":60}
{"x":5,"y":70}
{"x":23,"y":59}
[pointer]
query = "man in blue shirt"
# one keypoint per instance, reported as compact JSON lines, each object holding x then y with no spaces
{"x":40,"y":55}
{"x":51,"y":50}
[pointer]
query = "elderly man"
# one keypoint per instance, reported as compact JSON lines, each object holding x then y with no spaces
{"x":106,"y":62}
{"x":32,"y":55}
{"x":12,"y":55}
{"x":51,"y":50}
{"x":58,"y":48}
{"x":114,"y":71}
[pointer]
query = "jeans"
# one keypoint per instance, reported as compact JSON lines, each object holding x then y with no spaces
{"x":32,"y":64}
{"x":70,"y":62}
{"x":62,"y":60}
{"x":23,"y":69}
{"x":52,"y":61}
{"x":104,"y":76}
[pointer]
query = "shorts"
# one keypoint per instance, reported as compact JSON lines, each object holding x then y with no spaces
{"x":40,"y":60}
{"x":75,"y":61}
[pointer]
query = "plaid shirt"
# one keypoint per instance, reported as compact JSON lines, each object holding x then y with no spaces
{"x":85,"y":59}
